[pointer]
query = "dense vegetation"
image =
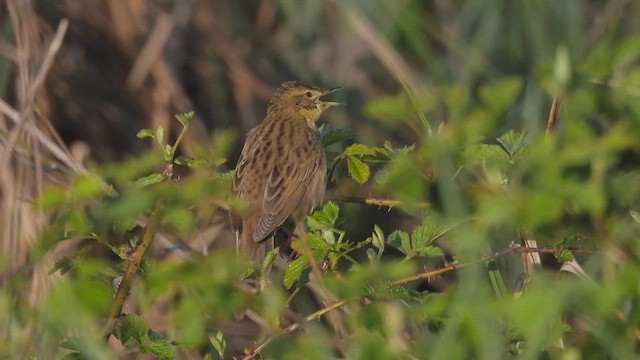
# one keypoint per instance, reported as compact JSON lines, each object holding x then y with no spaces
{"x":484,"y":180}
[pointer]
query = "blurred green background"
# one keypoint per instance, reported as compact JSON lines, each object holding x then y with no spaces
{"x":468,"y":84}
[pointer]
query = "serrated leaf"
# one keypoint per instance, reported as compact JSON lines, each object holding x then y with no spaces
{"x":428,"y":251}
{"x":513,"y":142}
{"x":400,"y":240}
{"x":377,"y":238}
{"x":122,"y":226}
{"x":379,"y":155}
{"x":325,"y":218}
{"x":144,"y":133}
{"x":398,"y":151}
{"x":185,"y":118}
{"x":159,"y":135}
{"x":219,"y":343}
{"x":269,"y":258}
{"x":149,"y":180}
{"x":564,"y":255}
{"x":358,"y":170}
{"x":425,"y":234}
{"x":191,"y":162}
{"x":387,"y":290}
{"x":295,"y":270}
{"x":358,"y":150}
{"x":161,"y":349}
{"x":331,"y":135}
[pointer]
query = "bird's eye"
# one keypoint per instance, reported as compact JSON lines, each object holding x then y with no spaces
{"x":308,"y":94}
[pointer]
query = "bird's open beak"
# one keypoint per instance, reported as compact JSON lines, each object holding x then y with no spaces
{"x":327,"y":104}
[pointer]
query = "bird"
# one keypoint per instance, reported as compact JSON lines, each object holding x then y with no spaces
{"x":282,"y":167}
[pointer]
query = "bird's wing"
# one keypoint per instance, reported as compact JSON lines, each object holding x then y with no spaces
{"x":285,"y":188}
{"x":245,"y":155}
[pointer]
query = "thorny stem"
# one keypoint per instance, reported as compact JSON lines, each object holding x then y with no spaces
{"x":425,"y":275}
{"x":133,"y":264}
{"x":293,"y":327}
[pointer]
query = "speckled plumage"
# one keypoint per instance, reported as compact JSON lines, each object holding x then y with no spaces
{"x":282,"y":167}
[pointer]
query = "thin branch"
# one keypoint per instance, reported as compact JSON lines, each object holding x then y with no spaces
{"x":374,"y":201}
{"x":425,"y":275}
{"x":510,"y":251}
{"x":553,"y":114}
{"x":295,"y":326}
{"x":133,"y":264}
{"x":23,"y":120}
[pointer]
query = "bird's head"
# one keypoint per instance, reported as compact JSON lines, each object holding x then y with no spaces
{"x":302,"y":98}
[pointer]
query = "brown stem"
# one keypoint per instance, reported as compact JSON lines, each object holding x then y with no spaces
{"x":133,"y":264}
{"x":374,"y":201}
{"x":553,"y":114}
{"x":509,"y":251}
{"x":293,"y":327}
{"x":425,"y":275}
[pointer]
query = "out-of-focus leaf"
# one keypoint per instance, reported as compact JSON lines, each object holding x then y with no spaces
{"x":159,"y":136}
{"x":149,"y":180}
{"x":331,"y":135}
{"x":145,"y":133}
{"x":185,"y":118}
{"x":191,"y":162}
{"x":219,"y":343}
{"x":295,"y":270}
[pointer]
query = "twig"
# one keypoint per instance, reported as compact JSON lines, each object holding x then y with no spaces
{"x":23,"y":120}
{"x":374,"y":201}
{"x":133,"y":264}
{"x":510,"y":251}
{"x":425,"y":275}
{"x":293,"y":327}
{"x":553,"y":114}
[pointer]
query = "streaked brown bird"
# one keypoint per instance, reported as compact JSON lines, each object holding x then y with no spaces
{"x":282,"y":168}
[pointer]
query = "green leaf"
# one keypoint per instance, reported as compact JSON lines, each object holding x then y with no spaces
{"x":331,"y":135}
{"x":160,"y":135}
{"x":562,"y":67}
{"x":295,"y":270}
{"x":122,"y":226}
{"x":325,"y":218}
{"x":144,"y":133}
{"x":377,"y":238}
{"x":149,"y":180}
{"x":500,"y":94}
{"x":398,"y":151}
{"x":513,"y":143}
{"x":358,"y":150}
{"x":219,"y":343}
{"x":131,"y":330}
{"x":400,"y":240}
{"x":269,"y":258}
{"x":564,"y":255}
{"x":64,"y":265}
{"x":161,"y":349}
{"x":185,"y":118}
{"x":425,"y":235}
{"x":191,"y":162}
{"x":168,"y":152}
{"x":87,"y":187}
{"x":358,"y":170}
{"x":428,"y":251}
{"x":52,"y":197}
